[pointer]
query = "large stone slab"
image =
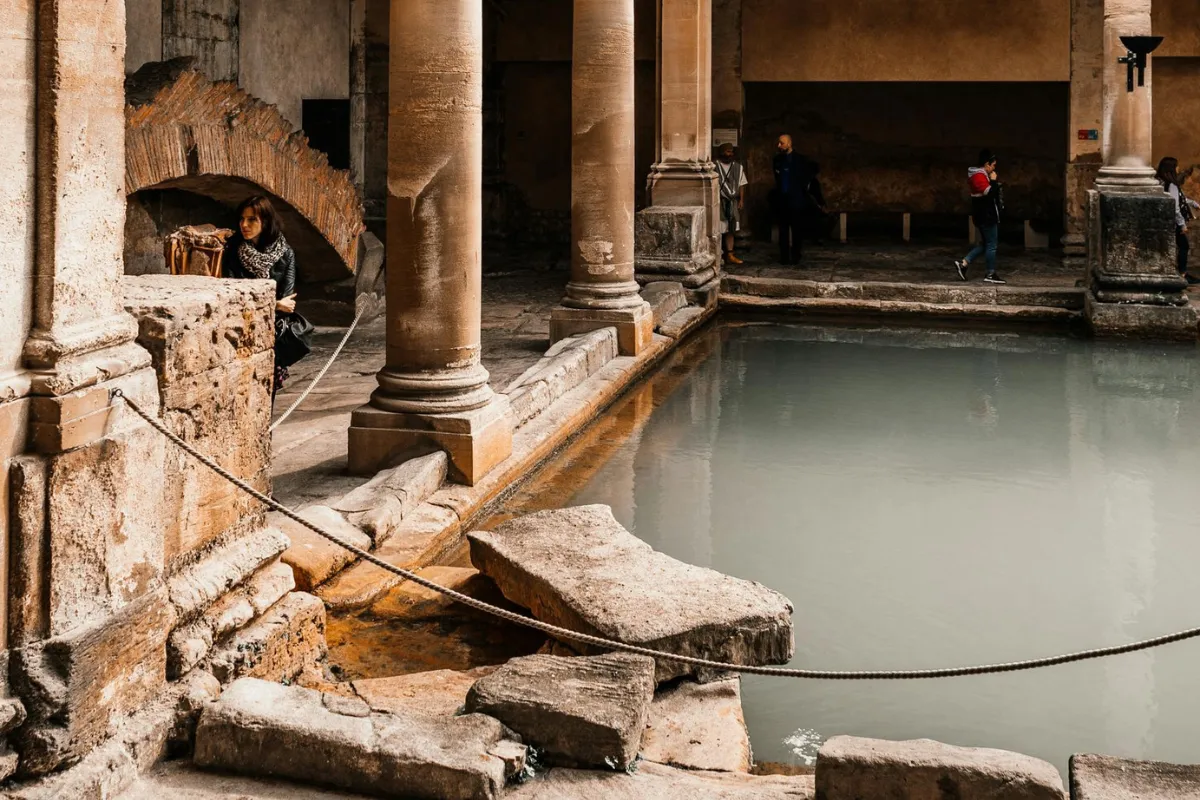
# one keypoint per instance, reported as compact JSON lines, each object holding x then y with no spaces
{"x":851,"y":768}
{"x":1096,"y":777}
{"x":587,"y":711}
{"x":656,"y":782}
{"x":265,"y":729}
{"x":699,"y":726}
{"x":578,"y":568}
{"x":312,"y":557}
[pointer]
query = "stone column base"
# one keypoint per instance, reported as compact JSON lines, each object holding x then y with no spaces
{"x":670,"y":244}
{"x":476,"y":441}
{"x":635,"y":326}
{"x":1141,"y":321}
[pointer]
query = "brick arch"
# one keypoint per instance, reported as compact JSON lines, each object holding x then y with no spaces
{"x":183,"y":131}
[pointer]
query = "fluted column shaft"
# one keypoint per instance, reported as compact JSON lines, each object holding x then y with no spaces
{"x":434,"y":230}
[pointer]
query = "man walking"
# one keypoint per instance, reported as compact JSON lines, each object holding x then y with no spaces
{"x":732,"y":176}
{"x":987,"y":202}
{"x":793,"y":174}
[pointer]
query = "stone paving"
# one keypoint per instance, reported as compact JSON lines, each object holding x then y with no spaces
{"x":310,"y":447}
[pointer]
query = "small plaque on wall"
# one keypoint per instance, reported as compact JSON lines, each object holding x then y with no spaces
{"x":722,"y":136}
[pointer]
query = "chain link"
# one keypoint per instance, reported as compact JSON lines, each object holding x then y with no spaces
{"x":609,"y":644}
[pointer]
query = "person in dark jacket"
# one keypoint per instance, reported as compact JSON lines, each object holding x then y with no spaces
{"x":987,"y":203}
{"x":793,"y":175}
{"x":259,"y":250}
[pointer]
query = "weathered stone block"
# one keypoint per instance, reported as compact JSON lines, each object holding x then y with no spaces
{"x":78,"y":685}
{"x":191,"y":324}
{"x":1094,"y":777}
{"x":224,"y":413}
{"x":568,"y":363}
{"x":103,"y":516}
{"x":578,"y":568}
{"x":188,"y":645}
{"x":277,"y":646}
{"x":260,"y":728}
{"x":699,"y":726}
{"x":665,"y":298}
{"x":380,"y":505}
{"x":849,"y":768}
{"x":587,"y":711}
{"x":670,"y":240}
{"x":227,"y":564}
{"x":634,"y":326}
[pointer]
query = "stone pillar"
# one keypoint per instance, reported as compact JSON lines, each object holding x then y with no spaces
{"x":602,"y":291}
{"x":433,"y":392}
{"x":1134,"y":288}
{"x":677,"y":235}
{"x":1084,"y":155}
{"x":1126,"y":140}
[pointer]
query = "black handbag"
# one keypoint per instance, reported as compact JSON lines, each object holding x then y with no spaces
{"x":293,"y":334}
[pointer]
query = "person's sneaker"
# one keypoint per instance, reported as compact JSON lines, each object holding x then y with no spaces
{"x":961,"y":266}
{"x":993,"y":278}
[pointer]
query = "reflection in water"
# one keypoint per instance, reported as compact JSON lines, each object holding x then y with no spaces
{"x":929,"y":500}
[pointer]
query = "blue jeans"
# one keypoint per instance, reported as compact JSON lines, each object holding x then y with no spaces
{"x":990,"y":237}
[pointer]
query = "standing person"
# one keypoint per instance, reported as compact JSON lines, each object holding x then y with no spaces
{"x":259,"y":250}
{"x":987,"y":202}
{"x":1168,"y":175}
{"x":732,"y":177}
{"x":793,"y":174}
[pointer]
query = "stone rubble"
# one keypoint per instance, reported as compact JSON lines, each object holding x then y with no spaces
{"x":265,"y":729}
{"x":313,"y":558}
{"x":381,"y":504}
{"x":278,"y":645}
{"x":580,"y":569}
{"x":587,"y":711}
{"x":851,"y":768}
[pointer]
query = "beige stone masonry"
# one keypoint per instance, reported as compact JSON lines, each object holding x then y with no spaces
{"x":568,"y":363}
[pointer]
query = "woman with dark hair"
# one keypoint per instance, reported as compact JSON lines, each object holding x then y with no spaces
{"x":259,"y":250}
{"x":1168,"y":175}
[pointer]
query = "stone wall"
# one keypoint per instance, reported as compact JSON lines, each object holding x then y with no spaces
{"x":204,"y":29}
{"x":893,"y":147}
{"x":917,"y":40}
{"x":295,"y":49}
{"x":527,"y":132}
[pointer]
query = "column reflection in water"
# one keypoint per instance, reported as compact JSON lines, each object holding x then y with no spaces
{"x":940,"y":499}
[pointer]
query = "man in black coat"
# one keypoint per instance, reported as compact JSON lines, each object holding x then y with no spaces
{"x":792,"y":199}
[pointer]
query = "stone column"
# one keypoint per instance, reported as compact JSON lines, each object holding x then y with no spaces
{"x":602,"y":291}
{"x":1134,"y":288}
{"x":433,"y":391}
{"x":677,"y":235}
{"x":1126,"y":139}
{"x":1084,"y":155}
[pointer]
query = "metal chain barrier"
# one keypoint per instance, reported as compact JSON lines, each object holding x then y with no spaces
{"x":609,"y":644}
{"x":320,"y":374}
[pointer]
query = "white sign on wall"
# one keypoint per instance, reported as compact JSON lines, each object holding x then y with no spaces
{"x":722,"y":136}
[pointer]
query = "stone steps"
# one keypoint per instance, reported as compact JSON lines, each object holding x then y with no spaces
{"x":943,"y":299}
{"x":838,"y":307}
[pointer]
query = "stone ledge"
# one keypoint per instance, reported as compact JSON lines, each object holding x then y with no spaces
{"x":567,"y":364}
{"x":825,"y":307}
{"x":276,"y":647}
{"x":226,"y":564}
{"x":973,"y":294}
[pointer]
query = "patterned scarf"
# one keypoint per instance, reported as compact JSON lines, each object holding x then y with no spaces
{"x":259,"y":262}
